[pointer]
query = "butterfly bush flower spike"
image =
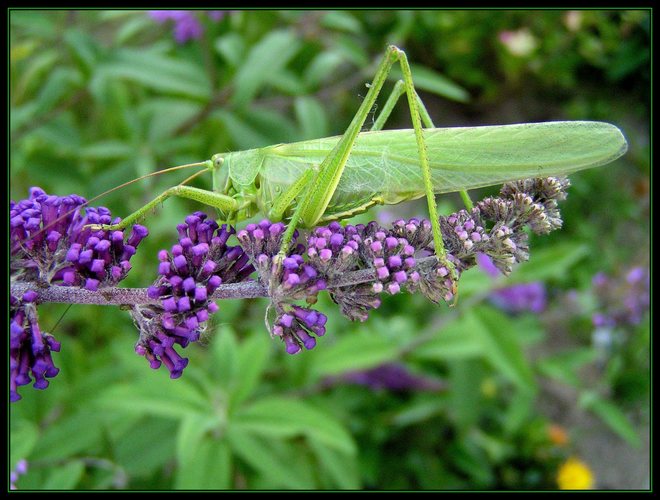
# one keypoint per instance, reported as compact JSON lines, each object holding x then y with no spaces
{"x":51,"y":243}
{"x":622,"y":300}
{"x":189,"y":275}
{"x":29,"y":347}
{"x":288,"y":279}
{"x":19,"y":470}
{"x":298,"y":327}
{"x":394,"y":377}
{"x":187,"y":23}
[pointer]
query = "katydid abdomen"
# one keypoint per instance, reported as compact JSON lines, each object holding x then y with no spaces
{"x":383,"y":166}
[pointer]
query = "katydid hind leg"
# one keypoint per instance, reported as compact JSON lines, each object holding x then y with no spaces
{"x":323,"y":186}
{"x":416,"y":118}
{"x":379,"y":123}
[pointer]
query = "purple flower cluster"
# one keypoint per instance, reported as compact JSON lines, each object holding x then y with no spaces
{"x":290,"y":278}
{"x":20,"y":469}
{"x":29,"y":348}
{"x":393,"y":377}
{"x":516,"y":298}
{"x":197,"y":265}
{"x":187,"y":23}
{"x":295,"y":326}
{"x":519,"y":298}
{"x":287,"y":280}
{"x":300,"y":280}
{"x":622,"y":300}
{"x":431,"y":277}
{"x":391,"y":257}
{"x":398,"y":257}
{"x":51,"y":243}
{"x":336,"y":250}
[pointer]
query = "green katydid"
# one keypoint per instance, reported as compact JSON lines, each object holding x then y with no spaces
{"x":327,"y":179}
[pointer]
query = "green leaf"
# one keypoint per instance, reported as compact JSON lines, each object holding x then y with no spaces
{"x":193,"y":430}
{"x":337,"y":469}
{"x":341,"y":21}
{"x":147,"y":398}
{"x":419,"y":411}
{"x":252,"y":361}
{"x":167,"y":115}
{"x":497,"y":449}
{"x":320,"y":69}
{"x":107,"y":150}
{"x":231,"y":47}
{"x":209,"y":468}
{"x":154,"y":71}
{"x":286,"y":82}
{"x":471,"y":459}
{"x":312,"y":118}
{"x":70,"y":435}
{"x":59,"y":83}
{"x":82,"y":47}
{"x":501,"y":347}
{"x":65,"y":477}
{"x":563,"y":366}
{"x":610,"y":415}
{"x":144,"y":450}
{"x":272,"y":53}
{"x":20,"y":116}
{"x":33,"y":76}
{"x":40,"y":24}
{"x":352,"y":51}
{"x":360,"y":351}
{"x":455,"y":340}
{"x":519,"y":410}
{"x":132,"y":28}
{"x":263,"y":457}
{"x":431,"y":81}
{"x":61,"y":135}
{"x":281,"y":417}
{"x":247,"y":130}
{"x":465,"y":398}
{"x":225,"y":352}
{"x":549,"y":263}
{"x":23,"y":437}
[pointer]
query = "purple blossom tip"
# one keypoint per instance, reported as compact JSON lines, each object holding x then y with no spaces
{"x":188,"y":276}
{"x":30,"y":348}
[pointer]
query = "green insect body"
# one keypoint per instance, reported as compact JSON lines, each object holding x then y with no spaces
{"x":311,"y":182}
{"x":384,"y":168}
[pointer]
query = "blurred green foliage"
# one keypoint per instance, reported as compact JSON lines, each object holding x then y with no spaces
{"x":98,"y":98}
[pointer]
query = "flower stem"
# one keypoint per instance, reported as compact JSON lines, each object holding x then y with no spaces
{"x":119,"y":296}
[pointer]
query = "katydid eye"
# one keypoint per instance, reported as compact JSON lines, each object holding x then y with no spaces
{"x":217,"y":160}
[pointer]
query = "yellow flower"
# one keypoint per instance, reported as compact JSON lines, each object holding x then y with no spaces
{"x":575,"y":475}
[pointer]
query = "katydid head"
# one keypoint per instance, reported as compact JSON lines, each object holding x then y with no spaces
{"x":220,"y":171}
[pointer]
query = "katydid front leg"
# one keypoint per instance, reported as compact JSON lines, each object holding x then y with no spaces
{"x":324,"y":184}
{"x":211,"y":198}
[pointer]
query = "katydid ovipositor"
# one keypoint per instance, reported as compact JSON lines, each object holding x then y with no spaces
{"x":333,"y":178}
